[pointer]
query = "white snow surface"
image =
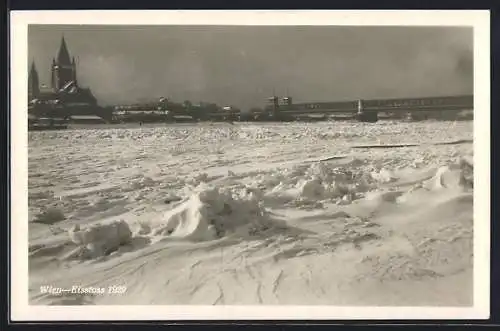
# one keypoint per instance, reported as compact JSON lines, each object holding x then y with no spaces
{"x":286,"y":213}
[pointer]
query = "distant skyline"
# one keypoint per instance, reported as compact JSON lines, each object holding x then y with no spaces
{"x":238,"y":65}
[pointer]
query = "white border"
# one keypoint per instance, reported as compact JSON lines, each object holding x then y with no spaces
{"x":20,"y":310}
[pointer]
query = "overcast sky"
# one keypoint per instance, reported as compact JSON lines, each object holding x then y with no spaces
{"x":242,"y":65}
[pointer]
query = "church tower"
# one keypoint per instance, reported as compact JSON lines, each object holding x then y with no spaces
{"x":33,"y":82}
{"x":63,"y":68}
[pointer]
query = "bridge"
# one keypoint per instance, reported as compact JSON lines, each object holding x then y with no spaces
{"x":285,"y":109}
{"x":368,"y":110}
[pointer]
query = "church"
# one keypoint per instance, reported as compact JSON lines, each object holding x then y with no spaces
{"x":64,"y":89}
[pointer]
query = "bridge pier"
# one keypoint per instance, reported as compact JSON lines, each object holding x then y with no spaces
{"x":364,"y":115}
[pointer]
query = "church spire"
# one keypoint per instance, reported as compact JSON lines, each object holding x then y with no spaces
{"x":63,"y":57}
{"x":33,"y":82}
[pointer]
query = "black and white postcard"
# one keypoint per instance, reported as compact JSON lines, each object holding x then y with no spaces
{"x":184,"y":165}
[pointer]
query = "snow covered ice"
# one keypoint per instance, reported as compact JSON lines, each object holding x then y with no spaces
{"x":249,"y":214}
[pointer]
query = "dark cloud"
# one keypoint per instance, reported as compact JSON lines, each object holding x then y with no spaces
{"x":242,"y":65}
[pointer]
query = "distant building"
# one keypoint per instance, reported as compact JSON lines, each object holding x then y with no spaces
{"x":64,"y":89}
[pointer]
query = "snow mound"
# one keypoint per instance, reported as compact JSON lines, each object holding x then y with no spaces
{"x":321,"y":171}
{"x":455,"y":176}
{"x":321,"y":181}
{"x":197,"y":179}
{"x":211,"y":213}
{"x":384,"y":176}
{"x":101,"y":239}
{"x":312,"y":188}
{"x":50,"y":216}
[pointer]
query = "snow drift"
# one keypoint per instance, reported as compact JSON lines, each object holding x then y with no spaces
{"x":211,"y":213}
{"x":100,"y":239}
{"x":458,"y":175}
